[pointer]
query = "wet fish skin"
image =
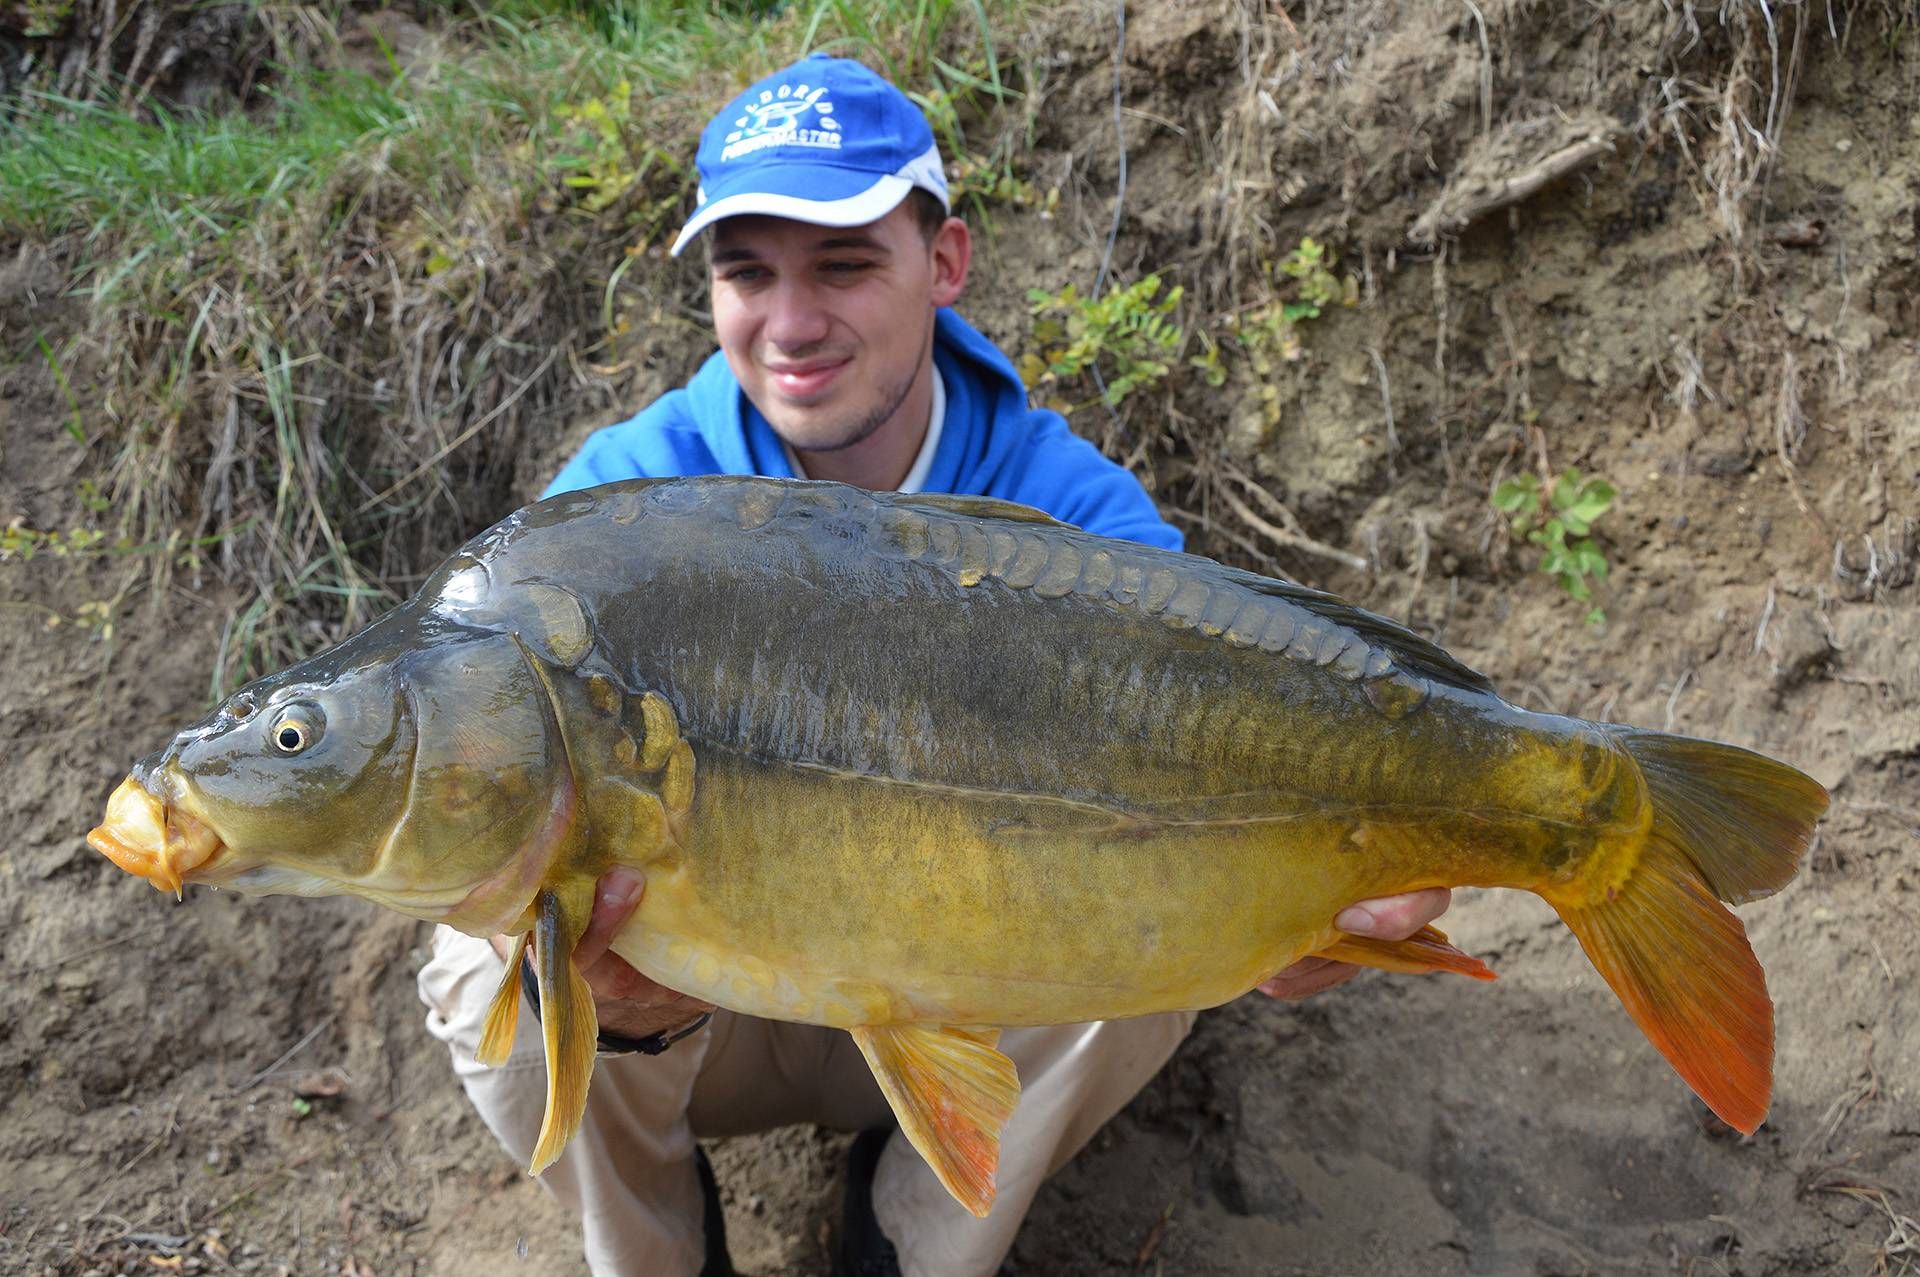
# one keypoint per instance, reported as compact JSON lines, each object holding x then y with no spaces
{"x":903,"y":764}
{"x":952,"y":757}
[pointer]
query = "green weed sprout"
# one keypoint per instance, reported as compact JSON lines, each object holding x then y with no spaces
{"x":600,"y":165}
{"x":1267,"y":336}
{"x":1548,"y":517}
{"x":1312,"y":265}
{"x":1126,"y":336}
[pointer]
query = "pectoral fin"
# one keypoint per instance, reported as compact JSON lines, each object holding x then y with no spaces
{"x":1423,"y":951}
{"x":566,"y":1015}
{"x":952,"y":1092}
{"x":503,"y":1013}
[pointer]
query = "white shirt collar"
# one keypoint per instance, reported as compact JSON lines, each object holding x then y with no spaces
{"x":923,"y":461}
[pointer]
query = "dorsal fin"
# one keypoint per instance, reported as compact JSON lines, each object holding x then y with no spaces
{"x":1411,"y":652}
{"x":979,"y":508}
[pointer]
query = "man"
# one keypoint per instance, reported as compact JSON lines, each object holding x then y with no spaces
{"x":833,"y":261}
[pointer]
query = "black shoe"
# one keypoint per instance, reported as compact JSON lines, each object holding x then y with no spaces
{"x":862,"y":1250}
{"x":718,"y":1262}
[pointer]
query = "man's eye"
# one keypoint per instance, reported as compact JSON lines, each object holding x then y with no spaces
{"x":847,"y":268}
{"x":744,"y":275}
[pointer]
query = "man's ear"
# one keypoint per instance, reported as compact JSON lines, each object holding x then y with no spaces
{"x":952,"y":253}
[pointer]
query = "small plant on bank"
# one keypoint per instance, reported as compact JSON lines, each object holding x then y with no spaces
{"x":597,"y":163}
{"x":1124,"y":341}
{"x":1559,"y":519}
{"x":1304,"y":284}
{"x":45,"y":18}
{"x":20,"y":542}
{"x":1312,"y":265}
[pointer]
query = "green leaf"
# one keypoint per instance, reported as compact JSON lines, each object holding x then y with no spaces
{"x":1512,"y":495}
{"x":1565,"y":489}
{"x":1594,"y":500}
{"x":1596,"y":617}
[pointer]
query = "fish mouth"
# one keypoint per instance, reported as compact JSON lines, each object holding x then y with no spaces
{"x":153,"y":839}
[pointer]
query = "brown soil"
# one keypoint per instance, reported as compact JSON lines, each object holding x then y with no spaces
{"x":1753,"y":397}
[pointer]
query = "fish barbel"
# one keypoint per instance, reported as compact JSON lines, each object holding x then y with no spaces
{"x":925,"y":767}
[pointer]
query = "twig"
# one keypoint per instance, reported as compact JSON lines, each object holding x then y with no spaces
{"x":1252,"y":551}
{"x":1120,"y":143}
{"x":292,"y":1051}
{"x":1789,"y":425}
{"x":1486,"y":70}
{"x":91,"y":949}
{"x":1119,"y":205}
{"x":458,"y":439}
{"x":1865,"y":1088}
{"x":170,"y":1127}
{"x":1885,"y":968}
{"x":1386,"y":403}
{"x":1456,"y":210}
{"x":1307,"y":545}
{"x":1766,"y":614}
{"x":1155,"y":1235}
{"x":1674,"y":700}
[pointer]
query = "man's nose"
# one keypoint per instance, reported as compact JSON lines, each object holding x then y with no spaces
{"x":796,"y":319}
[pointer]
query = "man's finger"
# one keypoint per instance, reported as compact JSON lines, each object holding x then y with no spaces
{"x":615,"y":897}
{"x":1394,"y":917}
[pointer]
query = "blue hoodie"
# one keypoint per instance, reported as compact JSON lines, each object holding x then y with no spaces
{"x":991,"y":444}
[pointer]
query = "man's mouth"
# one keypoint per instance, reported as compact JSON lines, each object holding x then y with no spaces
{"x":152,"y":839}
{"x":806,"y":380}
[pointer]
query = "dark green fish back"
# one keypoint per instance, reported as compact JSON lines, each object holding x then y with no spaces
{"x":980,"y":634}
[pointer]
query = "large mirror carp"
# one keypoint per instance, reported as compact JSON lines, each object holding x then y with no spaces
{"x":924,"y":767}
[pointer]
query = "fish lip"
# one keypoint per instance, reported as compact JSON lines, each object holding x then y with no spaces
{"x":153,"y":838}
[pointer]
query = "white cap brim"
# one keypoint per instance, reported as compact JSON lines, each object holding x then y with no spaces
{"x":869,"y":205}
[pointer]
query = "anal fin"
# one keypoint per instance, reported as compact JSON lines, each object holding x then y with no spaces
{"x":1425,"y":950}
{"x":952,"y":1092}
{"x":503,"y":1013}
{"x":567,"y":1017}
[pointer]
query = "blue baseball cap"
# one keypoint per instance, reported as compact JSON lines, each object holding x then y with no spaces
{"x":824,"y":141}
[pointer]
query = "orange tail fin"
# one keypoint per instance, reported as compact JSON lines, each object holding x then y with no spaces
{"x":1680,"y":962}
{"x":1727,"y":823}
{"x":1425,"y":950}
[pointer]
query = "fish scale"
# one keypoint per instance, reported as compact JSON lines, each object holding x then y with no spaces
{"x":923,"y":767}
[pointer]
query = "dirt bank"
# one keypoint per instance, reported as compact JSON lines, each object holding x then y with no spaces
{"x":1709,"y":298}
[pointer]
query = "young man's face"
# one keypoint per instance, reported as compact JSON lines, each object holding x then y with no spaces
{"x":828,"y":329}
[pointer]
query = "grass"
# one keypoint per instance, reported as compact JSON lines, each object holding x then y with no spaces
{"x":175,"y":180}
{"x":332,"y":319}
{"x":500,"y":99}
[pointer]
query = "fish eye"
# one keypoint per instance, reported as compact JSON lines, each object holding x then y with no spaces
{"x":294,"y":731}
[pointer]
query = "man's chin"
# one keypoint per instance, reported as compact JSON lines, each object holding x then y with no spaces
{"x":815,"y":427}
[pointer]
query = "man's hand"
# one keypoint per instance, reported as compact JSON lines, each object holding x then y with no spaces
{"x":1388,"y":918}
{"x":628,"y":1003}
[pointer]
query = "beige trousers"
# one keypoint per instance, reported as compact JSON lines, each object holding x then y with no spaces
{"x":630,"y":1172}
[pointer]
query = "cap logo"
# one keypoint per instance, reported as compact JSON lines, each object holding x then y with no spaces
{"x":776,"y":120}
